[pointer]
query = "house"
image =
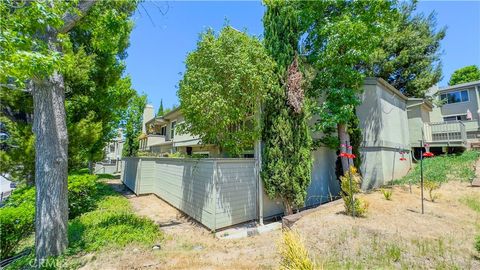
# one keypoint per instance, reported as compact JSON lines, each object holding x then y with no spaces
{"x":113,"y":149}
{"x":112,"y":162}
{"x":161,"y":137}
{"x":459,"y":114}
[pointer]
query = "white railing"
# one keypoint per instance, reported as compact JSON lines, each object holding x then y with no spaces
{"x":445,"y":132}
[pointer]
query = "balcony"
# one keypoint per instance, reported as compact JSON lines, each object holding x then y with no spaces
{"x":452,"y":133}
{"x":151,"y":139}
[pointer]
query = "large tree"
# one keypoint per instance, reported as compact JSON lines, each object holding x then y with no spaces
{"x":464,"y":75}
{"x":339,"y":40}
{"x":226,"y":79}
{"x":35,"y":54}
{"x":409,"y":55}
{"x":132,"y":125}
{"x":96,"y":92}
{"x":286,"y":159}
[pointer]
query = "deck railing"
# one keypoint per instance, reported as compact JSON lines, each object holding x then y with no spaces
{"x":445,"y":132}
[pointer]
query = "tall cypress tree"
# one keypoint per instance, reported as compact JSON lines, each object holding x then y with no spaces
{"x":287,"y":160}
{"x":160,"y":108}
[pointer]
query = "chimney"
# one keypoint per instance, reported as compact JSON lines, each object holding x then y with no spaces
{"x":148,"y":115}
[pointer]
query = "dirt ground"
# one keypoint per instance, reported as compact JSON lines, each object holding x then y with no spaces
{"x":394,"y":235}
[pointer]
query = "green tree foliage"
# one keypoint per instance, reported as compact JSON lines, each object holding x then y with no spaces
{"x":409,"y":55}
{"x":133,"y":125}
{"x":286,"y":159}
{"x":339,"y":40}
{"x":225,"y":81}
{"x":464,"y":75}
{"x":96,"y":92}
{"x":161,"y":111}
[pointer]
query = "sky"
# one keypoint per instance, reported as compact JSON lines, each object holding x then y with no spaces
{"x":165,"y":32}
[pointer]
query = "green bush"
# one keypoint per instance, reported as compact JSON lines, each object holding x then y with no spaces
{"x":21,"y":195}
{"x":82,"y":194}
{"x":17,"y":216}
{"x":16,"y":223}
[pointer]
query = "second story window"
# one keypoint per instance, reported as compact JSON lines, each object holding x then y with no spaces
{"x":172,"y":129}
{"x":455,"y":97}
{"x":460,"y":117}
{"x":163,"y":130}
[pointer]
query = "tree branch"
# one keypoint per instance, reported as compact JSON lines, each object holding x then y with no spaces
{"x":70,"y":19}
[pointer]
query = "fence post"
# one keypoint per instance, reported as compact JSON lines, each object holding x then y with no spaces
{"x":215,"y":177}
{"x":258,"y":168}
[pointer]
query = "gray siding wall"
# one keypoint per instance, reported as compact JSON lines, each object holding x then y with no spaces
{"x":323,"y":187}
{"x":236,"y":192}
{"x":461,"y":107}
{"x":216,"y":192}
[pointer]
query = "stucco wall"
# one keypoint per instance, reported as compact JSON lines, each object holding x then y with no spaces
{"x":385,"y":131}
{"x":415,"y":125}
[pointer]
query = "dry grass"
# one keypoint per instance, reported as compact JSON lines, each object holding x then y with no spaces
{"x":394,"y":235}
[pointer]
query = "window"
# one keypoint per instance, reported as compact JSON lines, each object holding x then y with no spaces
{"x":163,"y":130}
{"x":172,"y":129}
{"x":461,"y":117}
{"x":455,"y":97}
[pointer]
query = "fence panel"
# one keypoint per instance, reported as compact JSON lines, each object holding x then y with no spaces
{"x":216,"y":192}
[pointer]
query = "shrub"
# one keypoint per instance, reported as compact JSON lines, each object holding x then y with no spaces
{"x":431,"y":186}
{"x":82,"y":194}
{"x":17,"y":216}
{"x":477,"y":243}
{"x":387,"y":193}
{"x":16,"y":223}
{"x":359,"y":207}
{"x":294,"y":254}
{"x":22,"y":195}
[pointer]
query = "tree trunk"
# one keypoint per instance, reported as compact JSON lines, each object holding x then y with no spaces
{"x":288,"y":208}
{"x":344,"y":139}
{"x":51,"y":163}
{"x":90,"y":167}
